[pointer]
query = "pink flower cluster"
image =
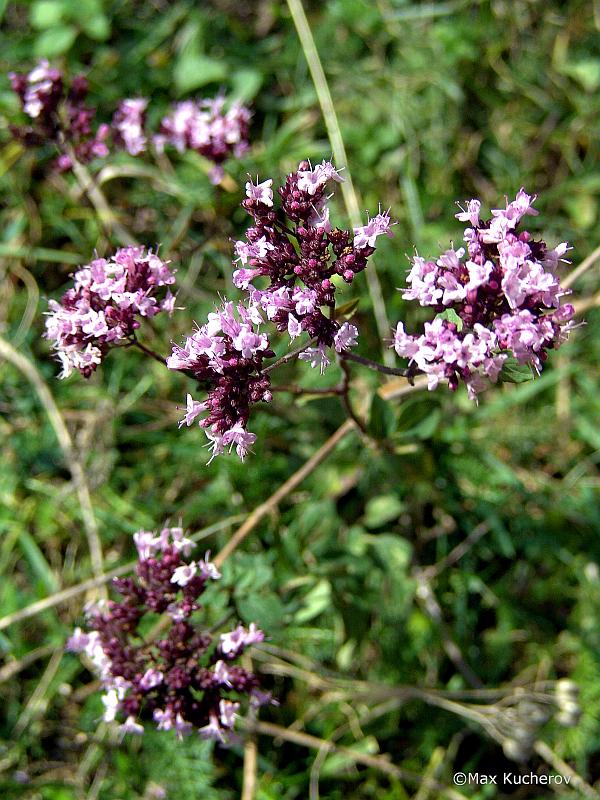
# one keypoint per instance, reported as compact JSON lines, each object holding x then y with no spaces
{"x":298,"y":252}
{"x":58,"y":115}
{"x":102,"y":308}
{"x":504,"y":296}
{"x":227,"y":354}
{"x":209,"y":128}
{"x":183,"y":681}
{"x":206,"y":126}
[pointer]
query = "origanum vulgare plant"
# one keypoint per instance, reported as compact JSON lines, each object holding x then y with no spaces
{"x":496,"y":300}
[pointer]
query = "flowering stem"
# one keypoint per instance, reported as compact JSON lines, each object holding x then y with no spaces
{"x":287,"y":357}
{"x":264,"y":509}
{"x":285,"y":229}
{"x":366,"y":362}
{"x":381,"y":763}
{"x":149,"y":352}
{"x":345,"y":398}
{"x":97,"y":198}
{"x":299,"y":390}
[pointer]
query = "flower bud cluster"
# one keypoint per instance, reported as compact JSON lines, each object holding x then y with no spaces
{"x":102,"y":308}
{"x":185,"y":680}
{"x":297,"y":252}
{"x":207,"y":127}
{"x":567,"y":702}
{"x":501,"y":298}
{"x":58,"y":114}
{"x":226,"y":354}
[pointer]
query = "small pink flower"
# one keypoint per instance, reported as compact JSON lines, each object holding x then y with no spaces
{"x":184,"y":574}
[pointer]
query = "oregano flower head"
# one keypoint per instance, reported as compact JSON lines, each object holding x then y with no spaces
{"x":298,"y":252}
{"x":58,"y":114}
{"x":497,"y":299}
{"x":210,"y":128}
{"x":226,"y":354}
{"x":104,"y":307}
{"x":287,"y":265}
{"x":187,"y":680}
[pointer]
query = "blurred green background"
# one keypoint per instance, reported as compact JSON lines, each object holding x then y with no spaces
{"x":437,"y":102}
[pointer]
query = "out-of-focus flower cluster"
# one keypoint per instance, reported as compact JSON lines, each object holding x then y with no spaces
{"x":209,"y":128}
{"x":58,"y":115}
{"x":103,"y":307}
{"x":298,"y":253}
{"x":226,"y":354}
{"x":503,"y":296}
{"x":187,"y":679}
{"x":128,"y":125}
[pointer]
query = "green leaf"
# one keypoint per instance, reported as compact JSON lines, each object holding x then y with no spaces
{"x":46,"y":14}
{"x":245,"y":84}
{"x":513,"y":372}
{"x":37,"y":562}
{"x":265,"y":609}
{"x":382,"y":419}
{"x":586,"y":72}
{"x":338,"y":763}
{"x":451,"y":315}
{"x":193,"y":71}
{"x":55,"y":41}
{"x":382,"y":509}
{"x":394,"y":551}
{"x":96,"y":27}
{"x":418,"y":418}
{"x":315,"y":602}
{"x":583,"y":210}
{"x":346,"y":310}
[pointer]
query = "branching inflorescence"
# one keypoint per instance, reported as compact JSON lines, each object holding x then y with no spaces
{"x":499,"y":299}
{"x":103,"y":308}
{"x":296,"y":253}
{"x":185,"y":680}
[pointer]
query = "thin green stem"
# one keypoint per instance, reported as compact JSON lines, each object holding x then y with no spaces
{"x":149,"y":352}
{"x":374,"y":365}
{"x":339,"y":154}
